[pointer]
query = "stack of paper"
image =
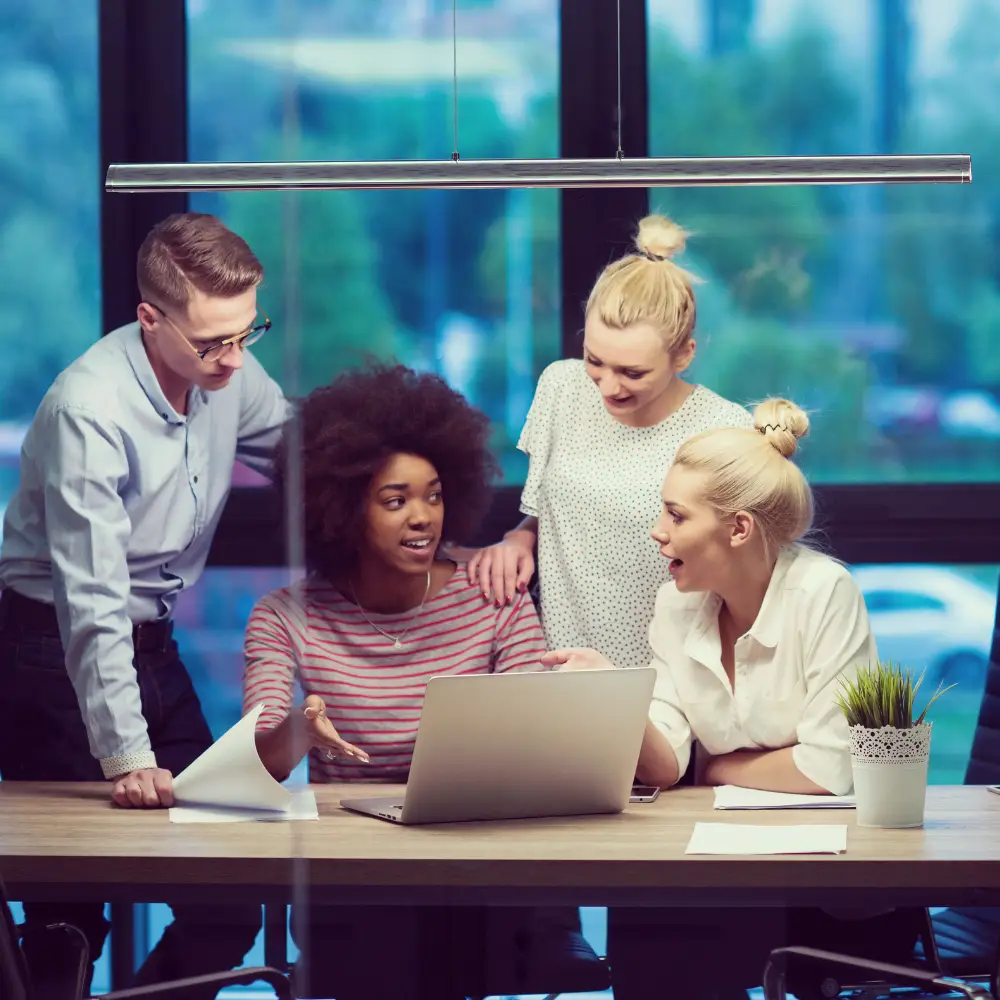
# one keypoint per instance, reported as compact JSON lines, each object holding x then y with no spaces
{"x":735,"y":838}
{"x":732,"y":797}
{"x":229,"y":784}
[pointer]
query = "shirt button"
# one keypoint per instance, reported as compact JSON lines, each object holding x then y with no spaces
{"x":196,"y":479}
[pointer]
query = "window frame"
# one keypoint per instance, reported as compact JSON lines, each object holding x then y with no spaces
{"x":144,"y":118}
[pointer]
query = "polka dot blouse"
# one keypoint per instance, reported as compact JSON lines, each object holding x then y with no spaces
{"x":594,"y":485}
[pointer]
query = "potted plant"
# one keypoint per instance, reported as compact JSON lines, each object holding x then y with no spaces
{"x":889,"y":750}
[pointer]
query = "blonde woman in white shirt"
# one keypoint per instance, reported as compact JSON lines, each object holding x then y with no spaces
{"x":599,"y":434}
{"x":750,"y":640}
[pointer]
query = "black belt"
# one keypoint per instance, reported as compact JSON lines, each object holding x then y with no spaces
{"x":22,"y":617}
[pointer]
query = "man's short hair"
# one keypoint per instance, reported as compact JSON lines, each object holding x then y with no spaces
{"x":194,"y":250}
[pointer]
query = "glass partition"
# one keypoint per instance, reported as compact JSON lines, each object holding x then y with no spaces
{"x":462,"y":283}
{"x":49,"y":242}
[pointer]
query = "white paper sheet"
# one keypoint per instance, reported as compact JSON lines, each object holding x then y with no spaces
{"x":302,"y":806}
{"x":229,"y":777}
{"x":737,"y":838}
{"x":732,"y":797}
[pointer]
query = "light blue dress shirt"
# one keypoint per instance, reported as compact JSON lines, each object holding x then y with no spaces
{"x":118,"y":501}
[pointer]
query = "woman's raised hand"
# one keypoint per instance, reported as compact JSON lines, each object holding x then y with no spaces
{"x":320,"y":732}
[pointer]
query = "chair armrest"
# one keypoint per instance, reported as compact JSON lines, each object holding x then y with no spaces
{"x":900,"y":975}
{"x":237,"y":977}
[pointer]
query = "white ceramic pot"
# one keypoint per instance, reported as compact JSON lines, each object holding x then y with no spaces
{"x":890,"y":775}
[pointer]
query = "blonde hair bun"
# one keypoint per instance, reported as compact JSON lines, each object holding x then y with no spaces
{"x":660,"y":237}
{"x":782,"y":423}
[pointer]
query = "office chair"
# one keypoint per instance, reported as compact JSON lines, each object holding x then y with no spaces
{"x":967,"y":938}
{"x":870,"y":978}
{"x":15,"y":981}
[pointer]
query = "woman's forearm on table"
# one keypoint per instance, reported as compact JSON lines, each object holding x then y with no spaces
{"x":768,"y":770}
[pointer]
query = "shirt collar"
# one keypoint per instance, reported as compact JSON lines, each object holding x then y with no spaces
{"x":150,"y":384}
{"x":766,"y":629}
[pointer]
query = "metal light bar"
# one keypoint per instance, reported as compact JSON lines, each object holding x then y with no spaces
{"x":135,"y":178}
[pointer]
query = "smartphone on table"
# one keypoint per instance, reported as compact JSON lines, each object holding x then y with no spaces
{"x":644,"y":793}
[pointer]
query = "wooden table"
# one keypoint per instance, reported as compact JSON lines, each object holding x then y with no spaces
{"x":67,"y":841}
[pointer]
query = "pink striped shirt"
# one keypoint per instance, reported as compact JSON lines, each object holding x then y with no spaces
{"x":311,"y":634}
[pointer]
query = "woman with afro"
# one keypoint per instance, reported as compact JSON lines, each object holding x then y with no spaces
{"x":392,"y":464}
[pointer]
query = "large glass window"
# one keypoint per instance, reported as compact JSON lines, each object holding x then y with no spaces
{"x":873,"y":306}
{"x":464,"y":283}
{"x":937,"y":621}
{"x":49,"y":244}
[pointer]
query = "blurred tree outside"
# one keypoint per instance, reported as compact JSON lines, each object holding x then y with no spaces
{"x":49,"y":190}
{"x":875,"y":308}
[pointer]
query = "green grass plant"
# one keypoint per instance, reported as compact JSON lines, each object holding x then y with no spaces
{"x":882,"y":694}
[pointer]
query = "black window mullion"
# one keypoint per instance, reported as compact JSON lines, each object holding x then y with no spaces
{"x":597,"y":224}
{"x":143,"y":113}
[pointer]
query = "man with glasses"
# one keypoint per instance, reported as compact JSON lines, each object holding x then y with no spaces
{"x":125,"y":470}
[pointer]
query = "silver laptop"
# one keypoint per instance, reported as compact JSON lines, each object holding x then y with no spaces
{"x":517,"y":745}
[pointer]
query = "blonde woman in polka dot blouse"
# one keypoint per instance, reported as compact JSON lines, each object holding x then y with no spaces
{"x":599,"y":435}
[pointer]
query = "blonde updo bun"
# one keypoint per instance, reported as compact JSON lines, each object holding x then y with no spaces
{"x":782,"y":423}
{"x":646,"y":286}
{"x":660,"y":237}
{"x":748,"y":470}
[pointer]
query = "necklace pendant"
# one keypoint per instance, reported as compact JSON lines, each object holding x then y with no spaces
{"x":397,"y":645}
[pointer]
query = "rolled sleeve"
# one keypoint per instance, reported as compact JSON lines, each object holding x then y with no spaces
{"x":536,"y":440}
{"x":667,"y":714}
{"x":88,"y":531}
{"x":666,"y":710}
{"x":264,"y":411}
{"x":841,"y":642}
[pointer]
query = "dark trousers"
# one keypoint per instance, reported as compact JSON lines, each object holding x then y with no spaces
{"x":702,"y":953}
{"x":429,"y":952}
{"x":43,"y":738}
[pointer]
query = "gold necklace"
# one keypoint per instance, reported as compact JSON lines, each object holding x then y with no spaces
{"x":397,"y":640}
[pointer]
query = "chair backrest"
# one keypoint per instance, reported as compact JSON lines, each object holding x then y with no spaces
{"x":984,"y":761}
{"x":14,"y":980}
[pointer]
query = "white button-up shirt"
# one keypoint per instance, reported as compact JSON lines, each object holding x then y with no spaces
{"x":811,"y":631}
{"x":118,"y":501}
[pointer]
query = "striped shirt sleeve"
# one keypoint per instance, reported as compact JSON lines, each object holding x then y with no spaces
{"x":519,"y":642}
{"x":269,"y":662}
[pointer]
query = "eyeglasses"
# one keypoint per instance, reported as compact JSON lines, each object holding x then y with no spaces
{"x":243,"y":340}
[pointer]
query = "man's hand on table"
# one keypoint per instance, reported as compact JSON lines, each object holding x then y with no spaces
{"x":149,"y":788}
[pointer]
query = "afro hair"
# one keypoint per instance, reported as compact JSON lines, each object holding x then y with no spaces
{"x":349,"y":429}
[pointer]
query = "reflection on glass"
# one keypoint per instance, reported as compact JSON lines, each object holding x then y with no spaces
{"x":874,"y":307}
{"x":462,"y":283}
